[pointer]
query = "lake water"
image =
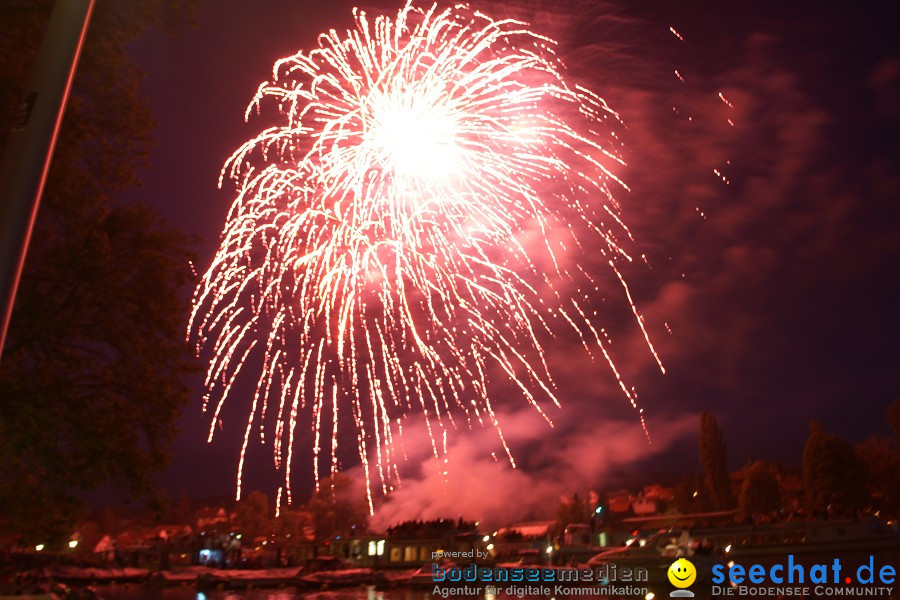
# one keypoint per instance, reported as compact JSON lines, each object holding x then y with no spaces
{"x":849,"y":561}
{"x":138,"y":592}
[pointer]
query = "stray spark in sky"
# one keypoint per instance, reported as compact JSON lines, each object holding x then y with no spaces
{"x":412,"y":232}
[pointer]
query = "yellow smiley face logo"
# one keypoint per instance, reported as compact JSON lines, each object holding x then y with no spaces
{"x":682,"y":573}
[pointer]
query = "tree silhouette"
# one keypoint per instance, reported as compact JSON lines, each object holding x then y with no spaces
{"x":252,"y":516}
{"x":880,"y":457}
{"x":689,"y":495}
{"x":91,"y":378}
{"x":759,"y":492}
{"x":714,"y":458}
{"x":893,"y":417}
{"x":338,"y":508}
{"x":571,"y":510}
{"x":833,"y":478}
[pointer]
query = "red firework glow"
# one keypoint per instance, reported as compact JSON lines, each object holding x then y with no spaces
{"x":410,"y":230}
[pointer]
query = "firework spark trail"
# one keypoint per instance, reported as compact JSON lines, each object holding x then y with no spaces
{"x":408,"y":229}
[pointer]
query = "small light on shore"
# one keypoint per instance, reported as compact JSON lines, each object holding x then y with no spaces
{"x":39,"y":547}
{"x":73,"y":543}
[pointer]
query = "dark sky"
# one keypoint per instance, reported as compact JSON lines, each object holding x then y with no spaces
{"x":782,"y":297}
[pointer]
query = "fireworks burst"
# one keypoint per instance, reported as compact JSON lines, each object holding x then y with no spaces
{"x":414,"y":227}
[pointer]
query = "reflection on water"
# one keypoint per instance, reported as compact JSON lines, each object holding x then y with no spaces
{"x":849,"y":560}
{"x":138,"y":592}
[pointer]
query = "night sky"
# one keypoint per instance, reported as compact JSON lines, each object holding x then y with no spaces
{"x":781,"y":296}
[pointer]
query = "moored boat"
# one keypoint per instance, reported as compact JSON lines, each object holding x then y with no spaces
{"x":331,"y":571}
{"x":246,"y":578}
{"x":424,"y":575}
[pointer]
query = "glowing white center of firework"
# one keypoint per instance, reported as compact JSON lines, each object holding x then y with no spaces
{"x":415,"y":139}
